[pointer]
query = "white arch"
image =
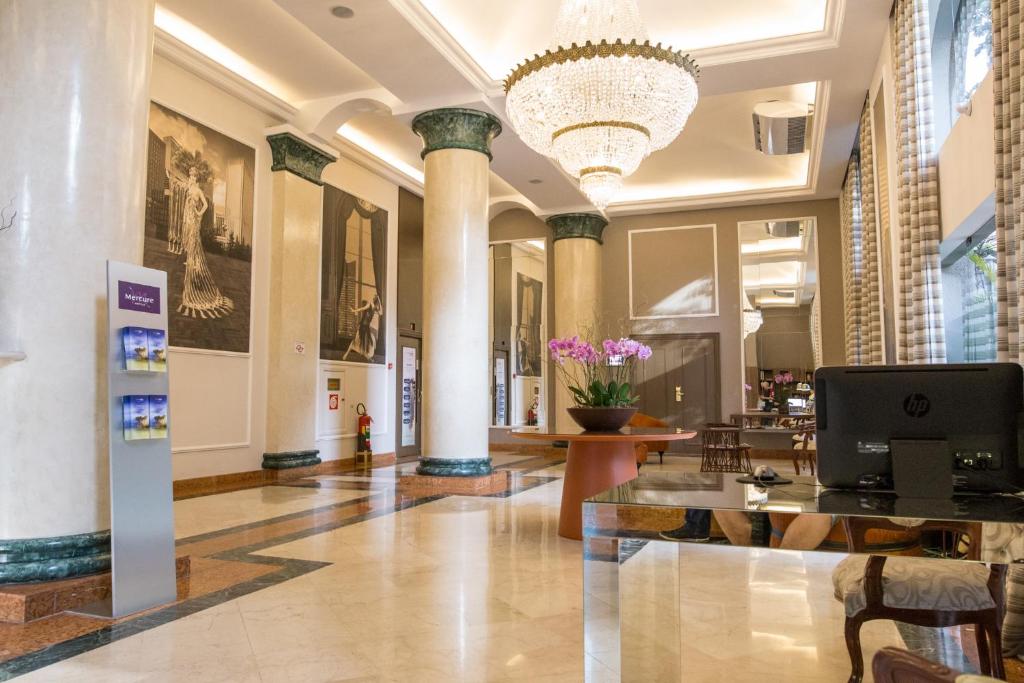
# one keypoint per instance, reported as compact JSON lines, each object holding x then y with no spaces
{"x":323,"y":117}
{"x":499,"y":205}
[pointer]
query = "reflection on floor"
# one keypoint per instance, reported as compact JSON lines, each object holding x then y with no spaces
{"x":341,"y":577}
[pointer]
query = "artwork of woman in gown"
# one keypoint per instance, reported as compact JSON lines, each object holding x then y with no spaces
{"x":364,"y":343}
{"x":200,"y":295}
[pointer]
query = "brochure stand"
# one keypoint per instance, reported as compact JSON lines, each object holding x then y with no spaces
{"x":141,"y":512}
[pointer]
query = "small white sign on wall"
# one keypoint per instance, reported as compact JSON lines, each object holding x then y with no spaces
{"x":500,"y":393}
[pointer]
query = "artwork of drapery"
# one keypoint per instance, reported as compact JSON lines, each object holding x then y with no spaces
{"x":529,"y":307}
{"x":354,"y":276}
{"x":199,"y":228}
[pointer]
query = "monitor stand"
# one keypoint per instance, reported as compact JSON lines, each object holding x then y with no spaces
{"x":922,"y":468}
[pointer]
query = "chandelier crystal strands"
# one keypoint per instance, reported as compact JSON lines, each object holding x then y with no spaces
{"x":602,"y":98}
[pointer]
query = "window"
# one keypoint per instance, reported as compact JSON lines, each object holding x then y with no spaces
{"x":970,"y":50}
{"x":969,"y":293}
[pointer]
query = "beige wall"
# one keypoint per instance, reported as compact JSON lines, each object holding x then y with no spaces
{"x":219,"y":400}
{"x":728,"y":323}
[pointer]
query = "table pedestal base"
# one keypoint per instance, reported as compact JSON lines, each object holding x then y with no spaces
{"x":590,"y":468}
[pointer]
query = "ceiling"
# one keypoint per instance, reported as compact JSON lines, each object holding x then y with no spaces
{"x":779,"y":271}
{"x":364,"y":78}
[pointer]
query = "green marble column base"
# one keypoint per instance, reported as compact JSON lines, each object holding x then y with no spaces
{"x":454,"y":467}
{"x":55,"y":557}
{"x":296,"y":156}
{"x":289,"y":459}
{"x":456,"y":128}
{"x":581,"y":225}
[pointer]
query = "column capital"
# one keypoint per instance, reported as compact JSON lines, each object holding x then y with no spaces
{"x":292,"y":152}
{"x":577,"y":225}
{"x":456,"y":128}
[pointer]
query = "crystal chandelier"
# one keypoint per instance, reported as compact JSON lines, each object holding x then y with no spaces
{"x":602,"y":98}
{"x":752,"y":317}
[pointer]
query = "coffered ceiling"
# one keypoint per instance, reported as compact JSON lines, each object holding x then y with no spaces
{"x":359,"y":81}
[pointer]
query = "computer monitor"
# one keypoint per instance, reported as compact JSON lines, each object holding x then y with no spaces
{"x":920,"y":429}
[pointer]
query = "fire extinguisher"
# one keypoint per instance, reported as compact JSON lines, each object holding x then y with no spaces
{"x":363,"y":432}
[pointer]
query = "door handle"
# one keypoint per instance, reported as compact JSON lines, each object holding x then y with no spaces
{"x":679,"y":394}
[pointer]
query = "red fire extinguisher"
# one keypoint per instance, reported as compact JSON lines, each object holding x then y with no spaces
{"x":363,"y":450}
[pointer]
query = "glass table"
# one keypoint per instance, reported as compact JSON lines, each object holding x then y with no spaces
{"x":632,"y":600}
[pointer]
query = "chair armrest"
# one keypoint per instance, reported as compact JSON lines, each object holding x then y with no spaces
{"x":893,"y":665}
{"x":873,"y":581}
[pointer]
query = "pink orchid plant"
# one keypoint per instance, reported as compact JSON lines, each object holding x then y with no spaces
{"x":598,"y":378}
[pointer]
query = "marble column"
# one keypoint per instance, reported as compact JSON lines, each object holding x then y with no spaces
{"x":294,"y":316}
{"x":75,"y":102}
{"x":577,"y":287}
{"x":456,"y":354}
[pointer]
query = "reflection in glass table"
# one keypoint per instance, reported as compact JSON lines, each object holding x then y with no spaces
{"x":632,"y":579}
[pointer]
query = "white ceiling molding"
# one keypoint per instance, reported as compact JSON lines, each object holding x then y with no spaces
{"x":431,"y":29}
{"x":325,"y":116}
{"x":810,"y":187}
{"x":374,"y":164}
{"x":826,"y":39}
{"x":499,"y":205}
{"x":198,"y":64}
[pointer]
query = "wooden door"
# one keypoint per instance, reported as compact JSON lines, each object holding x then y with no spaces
{"x":681,"y":383}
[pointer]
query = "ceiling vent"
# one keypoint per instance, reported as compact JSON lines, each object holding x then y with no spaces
{"x":781,"y":127}
{"x":784,"y":228}
{"x":785,"y":293}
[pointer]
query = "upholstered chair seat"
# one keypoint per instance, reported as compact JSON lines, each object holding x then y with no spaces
{"x":915,"y":583}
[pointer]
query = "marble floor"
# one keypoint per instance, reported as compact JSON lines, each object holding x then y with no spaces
{"x":343,"y":578}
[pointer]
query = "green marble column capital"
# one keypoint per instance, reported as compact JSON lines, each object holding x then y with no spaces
{"x":456,"y":128}
{"x":295,"y":155}
{"x":577,"y":225}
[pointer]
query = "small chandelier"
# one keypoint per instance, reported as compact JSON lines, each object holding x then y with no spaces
{"x":601,"y":105}
{"x":752,"y":317}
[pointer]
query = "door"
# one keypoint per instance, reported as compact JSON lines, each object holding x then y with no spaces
{"x":407,"y":432}
{"x":680,"y":383}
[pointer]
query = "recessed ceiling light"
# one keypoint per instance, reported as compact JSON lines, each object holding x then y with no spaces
{"x":535,"y":181}
{"x":342,"y":12}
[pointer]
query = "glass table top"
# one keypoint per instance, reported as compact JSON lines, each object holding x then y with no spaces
{"x":722,"y":492}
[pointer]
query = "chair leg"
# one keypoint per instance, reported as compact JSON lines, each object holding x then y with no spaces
{"x":994,"y":633}
{"x":661,"y":457}
{"x":853,"y":625}
{"x":980,"y":633}
{"x":796,"y":462}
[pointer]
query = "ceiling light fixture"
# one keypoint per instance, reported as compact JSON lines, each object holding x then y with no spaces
{"x":343,"y":12}
{"x":602,"y":98}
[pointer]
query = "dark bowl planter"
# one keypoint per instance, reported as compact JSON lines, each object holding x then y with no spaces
{"x":602,"y":419}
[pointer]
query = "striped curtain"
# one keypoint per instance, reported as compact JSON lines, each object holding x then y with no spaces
{"x":815,"y":322}
{"x":851,"y":226}
{"x":919,"y":301}
{"x":860,"y":254}
{"x":1006,"y":86}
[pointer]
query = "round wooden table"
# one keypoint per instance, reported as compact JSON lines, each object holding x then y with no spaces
{"x":596,"y":462}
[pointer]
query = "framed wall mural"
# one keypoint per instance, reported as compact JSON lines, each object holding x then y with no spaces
{"x":529,"y":307}
{"x":199,"y":226}
{"x":354,"y":273}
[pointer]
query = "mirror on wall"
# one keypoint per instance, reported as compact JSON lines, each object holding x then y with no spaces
{"x":518,"y":333}
{"x":779,"y":264}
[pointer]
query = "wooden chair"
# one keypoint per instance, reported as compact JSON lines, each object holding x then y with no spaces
{"x":921,"y":591}
{"x":721,"y":450}
{"x":805,"y":446}
{"x":641,"y":420}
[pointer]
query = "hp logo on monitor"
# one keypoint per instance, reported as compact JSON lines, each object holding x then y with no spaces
{"x":916,"y":405}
